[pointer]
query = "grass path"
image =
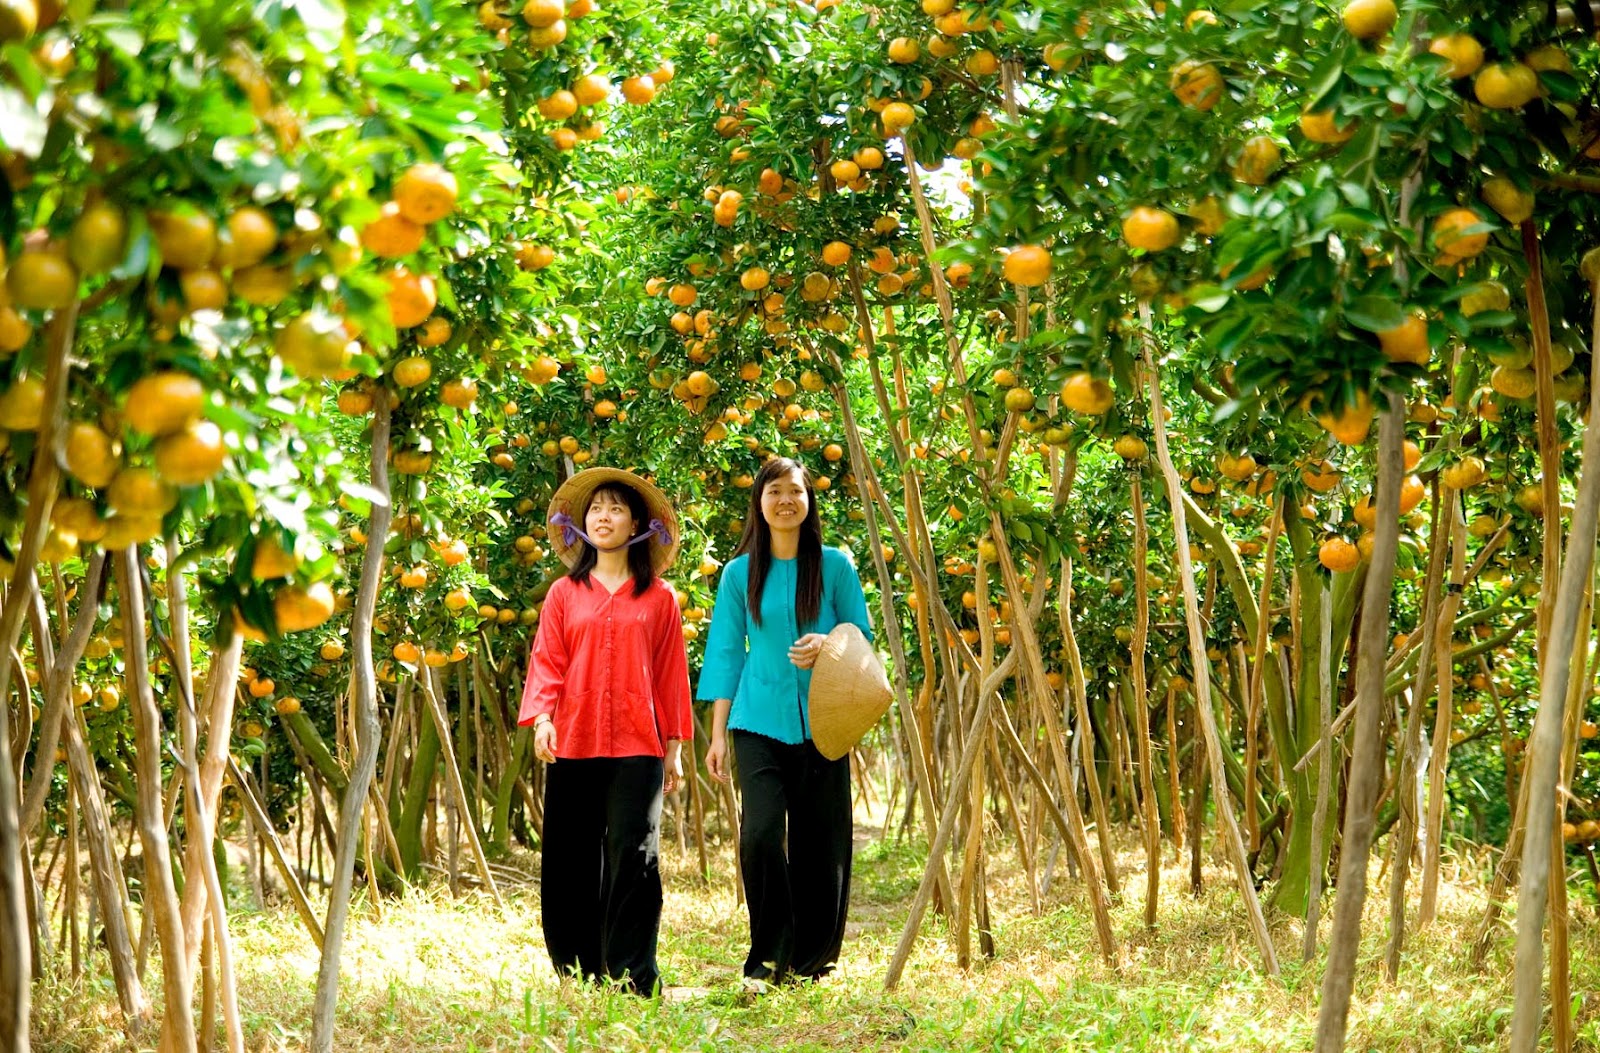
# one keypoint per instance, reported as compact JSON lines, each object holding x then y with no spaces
{"x":441,"y":974}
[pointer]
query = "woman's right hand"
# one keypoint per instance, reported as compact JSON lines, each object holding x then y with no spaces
{"x":717,"y":758}
{"x":544,"y":741}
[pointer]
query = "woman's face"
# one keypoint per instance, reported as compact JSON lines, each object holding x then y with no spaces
{"x":608,"y":522}
{"x":784,"y":502}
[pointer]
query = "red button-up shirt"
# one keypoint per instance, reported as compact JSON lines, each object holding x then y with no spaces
{"x":610,"y":670}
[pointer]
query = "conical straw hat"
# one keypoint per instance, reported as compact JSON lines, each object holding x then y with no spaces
{"x":849,"y":691}
{"x":573,"y":500}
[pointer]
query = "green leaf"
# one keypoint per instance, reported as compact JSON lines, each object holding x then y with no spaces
{"x":1374,"y":313}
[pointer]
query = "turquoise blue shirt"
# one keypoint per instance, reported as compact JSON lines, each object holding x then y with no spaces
{"x":749,"y":663}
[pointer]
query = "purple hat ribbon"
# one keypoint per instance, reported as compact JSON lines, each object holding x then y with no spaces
{"x":570,"y":532}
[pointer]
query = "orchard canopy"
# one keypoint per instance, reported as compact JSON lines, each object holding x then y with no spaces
{"x":1202,"y":393}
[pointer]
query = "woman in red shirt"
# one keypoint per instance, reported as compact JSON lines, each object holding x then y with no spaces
{"x":608,"y":697}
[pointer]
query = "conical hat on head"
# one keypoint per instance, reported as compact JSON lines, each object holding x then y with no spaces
{"x":849,"y":691}
{"x":572,"y":499}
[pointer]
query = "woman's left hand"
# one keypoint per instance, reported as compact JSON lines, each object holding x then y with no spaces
{"x":672,"y":767}
{"x":804,"y":651}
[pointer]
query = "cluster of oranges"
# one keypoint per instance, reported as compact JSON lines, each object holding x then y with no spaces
{"x":571,"y":106}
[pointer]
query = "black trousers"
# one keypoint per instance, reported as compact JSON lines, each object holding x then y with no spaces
{"x":797,"y":898}
{"x":600,"y":876}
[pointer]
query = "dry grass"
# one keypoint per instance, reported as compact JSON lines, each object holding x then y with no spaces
{"x":437,"y":973}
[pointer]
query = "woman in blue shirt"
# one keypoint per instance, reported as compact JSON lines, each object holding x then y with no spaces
{"x":778,"y":598}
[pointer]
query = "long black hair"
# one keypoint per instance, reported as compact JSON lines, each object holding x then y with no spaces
{"x":640,"y":563}
{"x":757,"y":543}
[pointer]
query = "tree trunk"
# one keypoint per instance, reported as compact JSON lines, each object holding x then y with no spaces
{"x":367,"y":731}
{"x":1366,"y":747}
{"x":1151,"y":821}
{"x":1544,"y":744}
{"x":160,"y":893}
{"x":1207,"y":716}
{"x":15,"y":961}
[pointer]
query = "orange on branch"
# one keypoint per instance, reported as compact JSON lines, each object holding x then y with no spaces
{"x":191,"y":456}
{"x":412,"y":297}
{"x":1027,"y":265}
{"x":426,"y":193}
{"x":1151,"y":229}
{"x":164,"y":402}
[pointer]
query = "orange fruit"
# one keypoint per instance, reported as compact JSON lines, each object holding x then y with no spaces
{"x":412,"y":371}
{"x":42,"y":280}
{"x":1449,"y":238}
{"x":77,"y":516}
{"x":412,"y":462}
{"x":1350,"y":423}
{"x":299,"y":607}
{"x":535,"y":257}
{"x":1338,"y":555}
{"x":542,"y":14}
{"x":1506,"y":85}
{"x":392,"y":235}
{"x":98,"y":239}
{"x":1151,"y":229}
{"x":639,"y":90}
{"x":287,"y":706}
{"x":315,"y":345}
{"x":15,"y":331}
{"x":426,"y":193}
{"x":412,"y":297}
{"x":1466,"y":473}
{"x":435,"y":331}
{"x":898,"y":116}
{"x":185,"y":240}
{"x":1322,"y":127}
{"x":261,"y":687}
{"x":1086,"y":393}
{"x":904,"y":50}
{"x":271,"y":560}
{"x":1504,"y":196}
{"x":591,"y":89}
{"x":558,"y":105}
{"x":836,"y":253}
{"x":755,"y":279}
{"x":1196,"y":84}
{"x":263,"y":286}
{"x":1258,"y":159}
{"x":191,"y":456}
{"x":1319,"y":476}
{"x":1461,"y":51}
{"x":22,"y":405}
{"x":983,"y":63}
{"x":1028,"y":265}
{"x":459,"y":393}
{"x":165,"y":402}
{"x":140,"y":491}
{"x":203,"y":290}
{"x":683,"y":294}
{"x":1408,"y":341}
{"x":1411,"y":494}
{"x":542,"y":37}
{"x":1369,"y":19}
{"x":251,"y":237}
{"x":91,"y":455}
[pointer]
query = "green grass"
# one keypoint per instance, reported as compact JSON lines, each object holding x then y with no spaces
{"x":441,"y":974}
